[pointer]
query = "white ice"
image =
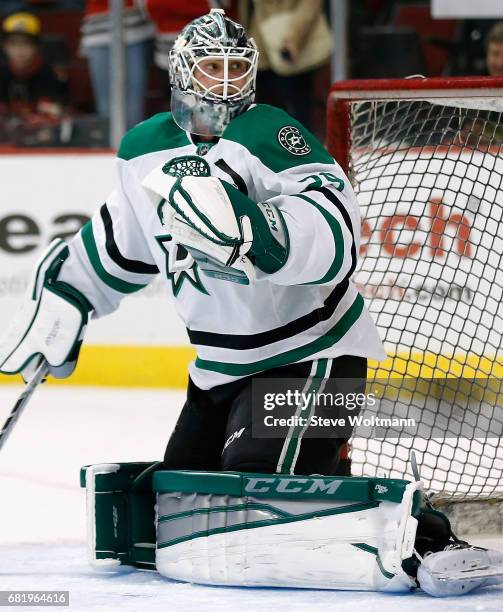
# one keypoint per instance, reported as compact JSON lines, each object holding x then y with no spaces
{"x":42,"y":516}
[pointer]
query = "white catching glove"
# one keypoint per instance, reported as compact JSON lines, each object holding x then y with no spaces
{"x":199,"y":214}
{"x":50,"y":324}
{"x":210,"y":216}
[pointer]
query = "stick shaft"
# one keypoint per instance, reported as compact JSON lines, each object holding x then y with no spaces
{"x":40,"y":373}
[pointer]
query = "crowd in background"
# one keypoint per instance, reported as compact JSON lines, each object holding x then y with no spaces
{"x":55,"y":60}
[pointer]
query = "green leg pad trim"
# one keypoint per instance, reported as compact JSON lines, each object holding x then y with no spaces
{"x":120,"y":513}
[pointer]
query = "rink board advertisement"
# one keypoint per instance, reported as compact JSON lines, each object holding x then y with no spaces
{"x":430,"y":267}
{"x":48,"y":196}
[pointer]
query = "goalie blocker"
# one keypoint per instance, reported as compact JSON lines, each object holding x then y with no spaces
{"x":244,"y":529}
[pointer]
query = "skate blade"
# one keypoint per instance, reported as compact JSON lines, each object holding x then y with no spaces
{"x":468,"y":574}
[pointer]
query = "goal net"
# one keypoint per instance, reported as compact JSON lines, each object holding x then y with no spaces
{"x":425,"y":157}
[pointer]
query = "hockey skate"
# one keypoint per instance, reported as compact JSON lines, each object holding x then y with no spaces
{"x":459,"y":569}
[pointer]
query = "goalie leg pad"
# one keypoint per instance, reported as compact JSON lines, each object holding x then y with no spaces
{"x":285,"y":531}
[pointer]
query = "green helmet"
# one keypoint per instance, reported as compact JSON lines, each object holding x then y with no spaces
{"x":208,"y":107}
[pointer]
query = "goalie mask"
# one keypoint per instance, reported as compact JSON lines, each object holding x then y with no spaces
{"x":213,"y":68}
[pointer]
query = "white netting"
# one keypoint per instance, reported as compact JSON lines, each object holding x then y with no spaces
{"x":429,"y":180}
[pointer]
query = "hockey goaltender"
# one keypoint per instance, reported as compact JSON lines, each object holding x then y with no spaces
{"x":257,"y":230}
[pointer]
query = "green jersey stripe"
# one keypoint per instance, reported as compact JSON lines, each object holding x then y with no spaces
{"x":244,"y":342}
{"x":323,"y":342}
{"x":92,"y":252}
{"x":338,"y":239}
{"x":335,"y":200}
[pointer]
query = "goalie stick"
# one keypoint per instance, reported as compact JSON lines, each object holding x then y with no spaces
{"x":40,"y":374}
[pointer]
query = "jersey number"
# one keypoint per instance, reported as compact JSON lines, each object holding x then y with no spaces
{"x":323,"y":178}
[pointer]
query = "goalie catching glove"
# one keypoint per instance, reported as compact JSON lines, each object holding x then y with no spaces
{"x":211,"y":216}
{"x":50,"y":323}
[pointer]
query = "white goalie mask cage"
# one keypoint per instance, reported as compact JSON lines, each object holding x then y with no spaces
{"x":207,"y":108}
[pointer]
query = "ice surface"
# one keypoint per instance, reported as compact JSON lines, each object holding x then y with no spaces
{"x":42,"y":520}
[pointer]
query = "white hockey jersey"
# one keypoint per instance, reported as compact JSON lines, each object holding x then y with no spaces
{"x":306,"y":310}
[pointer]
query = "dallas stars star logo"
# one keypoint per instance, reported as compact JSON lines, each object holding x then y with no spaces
{"x":292,"y":140}
{"x":180,"y":265}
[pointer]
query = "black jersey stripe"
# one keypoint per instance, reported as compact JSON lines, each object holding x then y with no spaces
{"x":237,"y":178}
{"x":243,"y":342}
{"x":129,"y":265}
{"x":331,"y":197}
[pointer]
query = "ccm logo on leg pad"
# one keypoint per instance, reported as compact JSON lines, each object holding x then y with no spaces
{"x":292,"y":485}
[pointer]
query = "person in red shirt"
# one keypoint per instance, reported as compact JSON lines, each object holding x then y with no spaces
{"x":29,"y":87}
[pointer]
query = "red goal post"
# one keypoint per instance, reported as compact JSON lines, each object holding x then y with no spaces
{"x":483,"y":90}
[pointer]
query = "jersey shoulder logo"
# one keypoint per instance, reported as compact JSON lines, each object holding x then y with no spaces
{"x":290,"y":138}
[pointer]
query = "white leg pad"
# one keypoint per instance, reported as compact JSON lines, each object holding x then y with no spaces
{"x":355,"y":548}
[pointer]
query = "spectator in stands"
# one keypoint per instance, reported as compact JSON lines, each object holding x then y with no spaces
{"x":494,"y":50}
{"x":95,"y":45}
{"x":484,"y":130}
{"x":294,"y":41}
{"x":29,"y":87}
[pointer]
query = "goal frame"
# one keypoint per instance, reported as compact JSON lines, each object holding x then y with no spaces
{"x":342,"y":93}
{"x":478,"y":516}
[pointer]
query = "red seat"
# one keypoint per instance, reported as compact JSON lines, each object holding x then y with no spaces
{"x":418,"y":16}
